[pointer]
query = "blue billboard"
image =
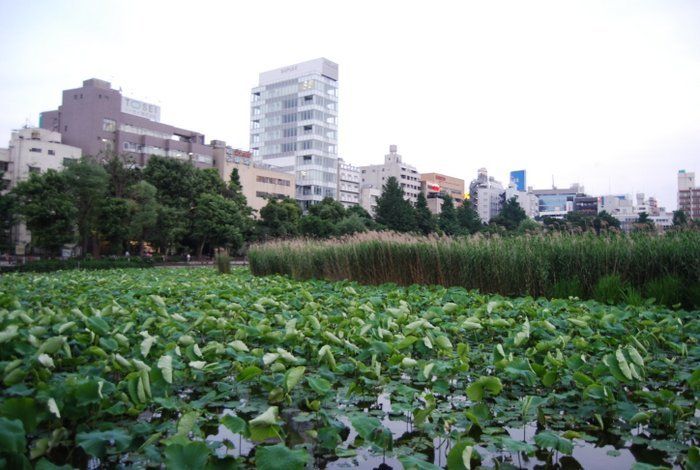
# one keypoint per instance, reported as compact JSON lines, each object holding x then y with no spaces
{"x":518,"y":179}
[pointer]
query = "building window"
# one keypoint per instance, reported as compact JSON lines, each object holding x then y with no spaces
{"x":290,"y":132}
{"x":289,"y":147}
{"x":52,"y":152}
{"x":35,"y":150}
{"x":4,"y":166}
{"x":109,"y":125}
{"x":69,"y":161}
{"x":306,"y":145}
{"x":34,"y":169}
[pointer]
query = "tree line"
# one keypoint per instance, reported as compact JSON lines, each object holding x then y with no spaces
{"x":111,"y":207}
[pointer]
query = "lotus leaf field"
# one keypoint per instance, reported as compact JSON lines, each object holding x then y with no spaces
{"x":191,"y":369}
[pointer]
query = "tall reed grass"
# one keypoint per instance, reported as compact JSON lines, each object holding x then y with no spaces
{"x":527,"y":265}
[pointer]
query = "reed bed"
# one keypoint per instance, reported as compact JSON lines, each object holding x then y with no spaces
{"x":537,"y":265}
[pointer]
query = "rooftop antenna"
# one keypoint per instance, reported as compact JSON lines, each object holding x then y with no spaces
{"x":553,"y":187}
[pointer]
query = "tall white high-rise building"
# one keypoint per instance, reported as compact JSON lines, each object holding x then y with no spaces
{"x":294,"y":125}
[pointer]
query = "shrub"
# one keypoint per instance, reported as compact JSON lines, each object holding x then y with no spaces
{"x":631,"y":296}
{"x":49,"y":265}
{"x":667,"y":290}
{"x":610,"y":289}
{"x":567,"y":288}
{"x":223,"y":264}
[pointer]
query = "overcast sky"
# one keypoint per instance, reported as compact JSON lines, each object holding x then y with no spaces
{"x":602,"y":93}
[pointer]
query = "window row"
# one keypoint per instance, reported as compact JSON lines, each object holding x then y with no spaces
{"x":270,"y":180}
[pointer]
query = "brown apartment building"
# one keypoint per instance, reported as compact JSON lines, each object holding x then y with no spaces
{"x":435,"y":186}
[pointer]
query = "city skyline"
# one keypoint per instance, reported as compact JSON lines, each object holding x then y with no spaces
{"x":600,"y":94}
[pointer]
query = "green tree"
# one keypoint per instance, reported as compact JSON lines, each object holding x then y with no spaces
{"x":174,"y":180}
{"x":122,"y":172}
{"x":447,"y":221}
{"x":8,"y":210}
{"x":279,"y":218}
{"x":171,"y":226}
{"x":218,"y":222}
{"x":468,"y":219}
{"x":425,"y":220}
{"x":604,"y":221}
{"x":46,"y":206}
{"x":315,"y":226}
{"x":351,"y":224}
{"x":143,"y":208}
{"x":393,"y":211}
{"x":114,"y":223}
{"x":528,"y":226}
{"x":644,"y":223}
{"x":88,"y":188}
{"x":329,"y":210}
{"x":511,"y":215}
{"x":679,"y":218}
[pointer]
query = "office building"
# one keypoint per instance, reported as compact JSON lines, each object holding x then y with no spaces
{"x":486,"y":195}
{"x":293,"y":125}
{"x":101,"y":121}
{"x":586,"y":205}
{"x":557,"y":202}
{"x":259,"y":182}
{"x":348,"y":184}
{"x":527,"y":201}
{"x":518,"y":178}
{"x":406,"y":175}
{"x":688,"y":195}
{"x":435,"y":186}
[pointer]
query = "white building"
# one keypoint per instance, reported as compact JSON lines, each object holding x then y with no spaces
{"x":293,"y":125}
{"x":528,"y":201}
{"x":368,"y":198}
{"x":486,"y":195}
{"x":406,"y":175}
{"x":348,"y":184}
{"x":34,"y":150}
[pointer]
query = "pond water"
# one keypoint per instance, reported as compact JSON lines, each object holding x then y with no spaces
{"x":608,"y":451}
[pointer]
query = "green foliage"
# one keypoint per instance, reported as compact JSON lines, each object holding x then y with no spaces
{"x":393,"y":211}
{"x":223,"y":264}
{"x":279,"y":219}
{"x":45,"y":204}
{"x":280,"y":457}
{"x":679,"y":218}
{"x":566,"y":288}
{"x":610,"y":289}
{"x":134,"y":367}
{"x":511,"y":215}
{"x":468,"y":218}
{"x":425,"y":220}
{"x":447,"y":221}
{"x":217,"y":221}
{"x":555,"y":266}
{"x":88,"y":182}
{"x":43,"y":266}
{"x":668,"y":290}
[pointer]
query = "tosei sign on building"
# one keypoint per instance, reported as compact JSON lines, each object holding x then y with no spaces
{"x":141,"y":109}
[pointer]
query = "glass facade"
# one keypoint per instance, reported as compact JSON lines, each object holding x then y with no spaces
{"x":296,"y":120}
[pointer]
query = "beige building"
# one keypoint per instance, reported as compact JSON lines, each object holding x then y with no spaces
{"x":348,"y":184}
{"x":406,"y":175}
{"x":368,"y":198}
{"x":259,"y":181}
{"x":34,"y":150}
{"x":436,"y":185}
